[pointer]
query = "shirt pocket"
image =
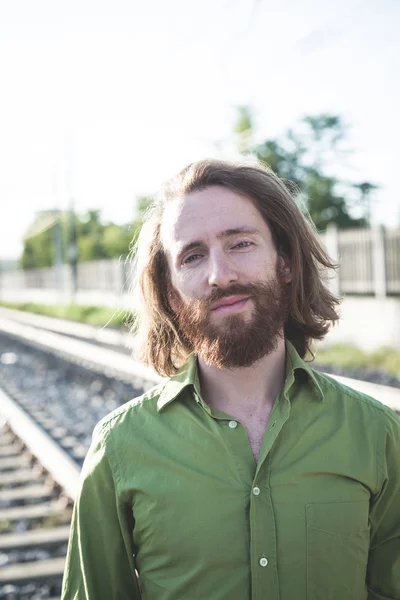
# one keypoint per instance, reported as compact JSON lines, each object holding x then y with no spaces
{"x":337,"y":550}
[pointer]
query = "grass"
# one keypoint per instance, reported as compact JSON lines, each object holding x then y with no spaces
{"x":92,"y":315}
{"x":385,"y":359}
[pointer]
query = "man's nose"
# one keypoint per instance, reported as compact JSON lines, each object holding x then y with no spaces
{"x":221,"y":271}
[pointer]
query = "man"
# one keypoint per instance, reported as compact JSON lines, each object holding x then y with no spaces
{"x":245,"y":475}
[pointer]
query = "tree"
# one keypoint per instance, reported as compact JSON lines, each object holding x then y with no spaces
{"x":90,"y":240}
{"x":365,"y":189}
{"x":39,"y":247}
{"x":244,"y":129}
{"x":95,"y":239}
{"x":117,"y":240}
{"x":301,"y":157}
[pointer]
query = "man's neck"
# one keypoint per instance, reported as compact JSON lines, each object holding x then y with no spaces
{"x":245,"y":389}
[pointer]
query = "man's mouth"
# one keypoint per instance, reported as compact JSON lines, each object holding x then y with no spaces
{"x":229,"y":304}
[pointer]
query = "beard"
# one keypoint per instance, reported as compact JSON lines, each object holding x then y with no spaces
{"x":235,"y":341}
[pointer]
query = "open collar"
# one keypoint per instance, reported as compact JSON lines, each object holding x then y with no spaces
{"x":187,"y":376}
{"x":294,"y":363}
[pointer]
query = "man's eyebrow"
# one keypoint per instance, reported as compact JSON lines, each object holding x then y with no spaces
{"x":236,"y":230}
{"x":223,"y":234}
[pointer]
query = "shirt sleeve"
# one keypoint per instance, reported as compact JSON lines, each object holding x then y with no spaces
{"x":383,"y":577}
{"x":100,"y":559}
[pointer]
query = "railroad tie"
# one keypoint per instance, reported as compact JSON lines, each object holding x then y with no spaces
{"x":23,"y":475}
{"x":29,"y":492}
{"x":37,"y":571}
{"x":14,"y":462}
{"x":34,"y":538}
{"x":32,"y":511}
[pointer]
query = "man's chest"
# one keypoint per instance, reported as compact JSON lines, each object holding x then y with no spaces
{"x":201,"y":506}
{"x":255,"y":429}
{"x":255,"y":425}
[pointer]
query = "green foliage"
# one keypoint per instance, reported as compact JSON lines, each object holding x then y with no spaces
{"x":347,"y":355}
{"x":142,"y":204}
{"x":302,"y":157}
{"x":325,"y":205}
{"x":94,"y":239}
{"x":117,"y":240}
{"x":244,"y":121}
{"x":244,"y":129}
{"x":39,"y":244}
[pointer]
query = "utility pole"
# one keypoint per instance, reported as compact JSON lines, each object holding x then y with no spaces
{"x":57,"y":244}
{"x":72,"y":249}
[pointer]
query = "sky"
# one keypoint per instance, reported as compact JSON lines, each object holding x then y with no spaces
{"x":103,"y":100}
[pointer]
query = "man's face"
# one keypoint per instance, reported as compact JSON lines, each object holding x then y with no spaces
{"x":228,"y":285}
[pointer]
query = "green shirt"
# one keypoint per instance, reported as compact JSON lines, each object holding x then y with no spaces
{"x":170,"y":488}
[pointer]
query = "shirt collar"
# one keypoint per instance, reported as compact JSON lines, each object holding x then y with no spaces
{"x":294,"y":363}
{"x":188,"y":376}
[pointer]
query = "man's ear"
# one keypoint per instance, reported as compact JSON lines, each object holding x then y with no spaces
{"x":285,"y":267}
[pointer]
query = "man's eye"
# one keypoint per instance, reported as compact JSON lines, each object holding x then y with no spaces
{"x":243,"y":245}
{"x":192,"y":258}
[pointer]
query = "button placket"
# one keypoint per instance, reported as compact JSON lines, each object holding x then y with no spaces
{"x":262,"y":519}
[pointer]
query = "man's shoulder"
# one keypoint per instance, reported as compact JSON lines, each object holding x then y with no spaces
{"x":337,"y":392}
{"x":135,"y":410}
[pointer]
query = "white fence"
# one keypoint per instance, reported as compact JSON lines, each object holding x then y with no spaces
{"x":99,"y":275}
{"x":369,"y":260}
{"x":369,"y":265}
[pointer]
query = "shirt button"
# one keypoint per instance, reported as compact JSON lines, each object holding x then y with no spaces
{"x":232,"y":424}
{"x":263,"y":562}
{"x":256,"y":491}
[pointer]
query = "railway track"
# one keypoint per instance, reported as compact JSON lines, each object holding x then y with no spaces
{"x":54,"y":387}
{"x":35,"y":514}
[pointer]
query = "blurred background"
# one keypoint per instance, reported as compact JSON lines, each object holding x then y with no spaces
{"x":103,"y":101}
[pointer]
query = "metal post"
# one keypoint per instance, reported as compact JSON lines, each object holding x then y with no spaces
{"x":72,"y":252}
{"x":57,"y":260}
{"x":379,"y":262}
{"x":332,"y":248}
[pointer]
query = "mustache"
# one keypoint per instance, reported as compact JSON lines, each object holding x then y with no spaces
{"x":236,"y":289}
